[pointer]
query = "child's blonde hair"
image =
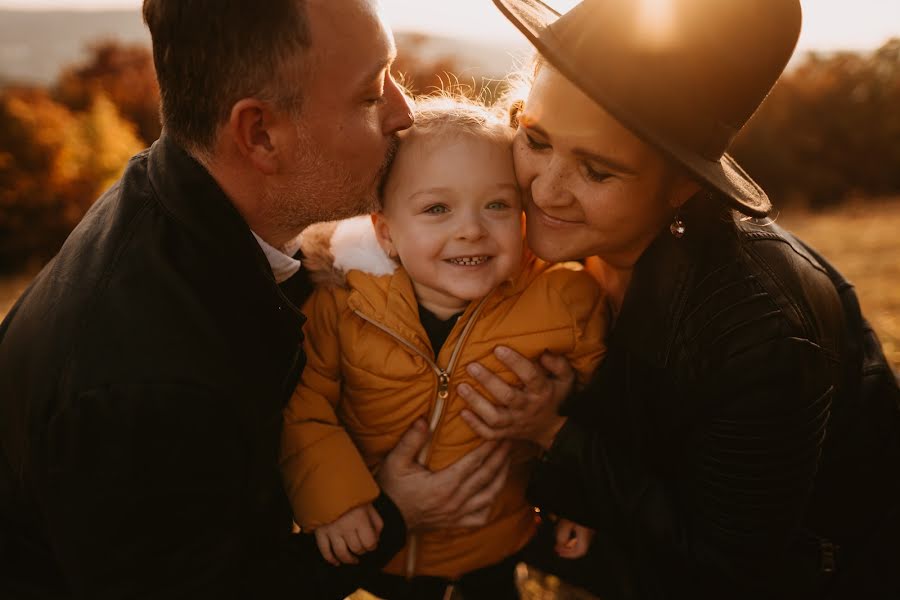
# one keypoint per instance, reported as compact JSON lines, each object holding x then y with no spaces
{"x":449,"y":114}
{"x":455,"y":113}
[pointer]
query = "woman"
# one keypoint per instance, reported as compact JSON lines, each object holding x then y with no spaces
{"x":741,"y":437}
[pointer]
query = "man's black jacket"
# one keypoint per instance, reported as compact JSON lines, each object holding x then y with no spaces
{"x":744,"y":421}
{"x":142,"y":378}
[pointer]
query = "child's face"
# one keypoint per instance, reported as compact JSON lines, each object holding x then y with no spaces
{"x":453,"y":215}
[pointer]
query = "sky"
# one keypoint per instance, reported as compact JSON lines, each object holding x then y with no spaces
{"x":828,"y":24}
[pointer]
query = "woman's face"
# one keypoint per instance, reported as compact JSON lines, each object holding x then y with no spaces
{"x":590,"y":186}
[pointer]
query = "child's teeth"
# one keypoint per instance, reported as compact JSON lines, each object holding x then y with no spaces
{"x":470,"y":260}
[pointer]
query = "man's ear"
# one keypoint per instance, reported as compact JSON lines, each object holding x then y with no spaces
{"x":252,"y":126}
{"x":383,"y":234}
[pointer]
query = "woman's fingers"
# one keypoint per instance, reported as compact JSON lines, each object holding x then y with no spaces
{"x":532,"y":377}
{"x":479,"y":426}
{"x":324,"y":545}
{"x":494,"y":416}
{"x":558,"y":365}
{"x":500,"y":391}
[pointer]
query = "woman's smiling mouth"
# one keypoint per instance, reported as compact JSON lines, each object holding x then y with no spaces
{"x":551,"y":220}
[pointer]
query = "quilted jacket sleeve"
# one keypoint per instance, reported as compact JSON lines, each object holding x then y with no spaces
{"x":323,"y":471}
{"x":581,"y":296}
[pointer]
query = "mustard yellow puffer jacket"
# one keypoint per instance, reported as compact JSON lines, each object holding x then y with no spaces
{"x":371,"y":372}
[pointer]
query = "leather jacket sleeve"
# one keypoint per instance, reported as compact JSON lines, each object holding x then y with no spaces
{"x":721,"y":512}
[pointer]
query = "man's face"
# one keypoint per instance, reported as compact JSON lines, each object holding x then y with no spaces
{"x":351,"y":112}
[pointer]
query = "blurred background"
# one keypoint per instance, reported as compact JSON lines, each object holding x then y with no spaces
{"x":78,"y":98}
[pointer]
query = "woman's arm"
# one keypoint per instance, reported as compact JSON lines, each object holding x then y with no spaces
{"x":742,"y":480}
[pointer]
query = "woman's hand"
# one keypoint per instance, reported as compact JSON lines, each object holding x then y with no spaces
{"x":529,"y":412}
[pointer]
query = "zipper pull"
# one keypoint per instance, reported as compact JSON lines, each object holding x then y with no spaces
{"x":443,"y":385}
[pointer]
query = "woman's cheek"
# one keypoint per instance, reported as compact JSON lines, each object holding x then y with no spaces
{"x":524,"y":162}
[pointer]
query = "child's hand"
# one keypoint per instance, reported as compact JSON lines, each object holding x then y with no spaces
{"x":354,"y":533}
{"x":572,"y":539}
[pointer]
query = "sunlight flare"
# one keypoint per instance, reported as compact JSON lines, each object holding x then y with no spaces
{"x":655,"y":18}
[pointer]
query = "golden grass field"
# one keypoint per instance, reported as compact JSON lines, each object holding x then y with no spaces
{"x":863,"y":241}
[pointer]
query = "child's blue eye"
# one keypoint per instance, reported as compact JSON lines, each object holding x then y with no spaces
{"x":437,"y":209}
{"x":498,"y":205}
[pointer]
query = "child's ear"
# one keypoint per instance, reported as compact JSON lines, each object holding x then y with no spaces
{"x":383,"y":234}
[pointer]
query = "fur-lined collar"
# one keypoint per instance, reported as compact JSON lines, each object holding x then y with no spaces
{"x":331,"y":250}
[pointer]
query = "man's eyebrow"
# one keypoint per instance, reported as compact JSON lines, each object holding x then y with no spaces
{"x":606,"y":161}
{"x":384,"y":64}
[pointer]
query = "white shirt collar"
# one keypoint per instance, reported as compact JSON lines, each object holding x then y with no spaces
{"x":283,"y":263}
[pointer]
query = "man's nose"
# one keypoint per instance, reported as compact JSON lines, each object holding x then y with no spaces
{"x":400,"y":112}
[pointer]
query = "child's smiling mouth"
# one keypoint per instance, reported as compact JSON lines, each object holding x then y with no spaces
{"x":468,"y":261}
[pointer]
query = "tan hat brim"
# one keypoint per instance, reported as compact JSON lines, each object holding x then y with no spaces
{"x":532,"y":17}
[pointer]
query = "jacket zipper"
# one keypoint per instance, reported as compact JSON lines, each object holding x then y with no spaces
{"x":440,"y":401}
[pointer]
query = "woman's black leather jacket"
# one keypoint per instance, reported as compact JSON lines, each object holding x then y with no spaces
{"x":741,"y":437}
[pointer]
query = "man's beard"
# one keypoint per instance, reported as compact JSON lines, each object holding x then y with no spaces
{"x":323,"y":190}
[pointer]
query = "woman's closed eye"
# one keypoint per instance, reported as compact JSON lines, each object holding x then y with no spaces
{"x":595,"y":174}
{"x":534,"y":143}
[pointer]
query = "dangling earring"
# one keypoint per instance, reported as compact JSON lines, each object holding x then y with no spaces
{"x":678,"y":228}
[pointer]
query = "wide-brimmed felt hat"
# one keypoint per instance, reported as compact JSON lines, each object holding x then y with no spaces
{"x":683,"y":75}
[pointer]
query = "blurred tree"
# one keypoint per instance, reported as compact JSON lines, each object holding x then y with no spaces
{"x":125,"y":74}
{"x":829,"y":129}
{"x":423,"y":74}
{"x":53,"y":164}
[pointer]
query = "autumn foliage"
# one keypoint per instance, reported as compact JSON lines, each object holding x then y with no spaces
{"x":830,"y":130}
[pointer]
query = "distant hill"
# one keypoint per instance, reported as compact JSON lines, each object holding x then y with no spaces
{"x":35,"y":45}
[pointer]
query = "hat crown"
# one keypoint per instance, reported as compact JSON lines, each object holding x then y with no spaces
{"x":694,"y":71}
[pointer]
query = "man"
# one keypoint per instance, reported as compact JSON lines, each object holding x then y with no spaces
{"x":143,"y":373}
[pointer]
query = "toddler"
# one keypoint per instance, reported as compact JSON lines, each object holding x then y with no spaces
{"x":406,"y":299}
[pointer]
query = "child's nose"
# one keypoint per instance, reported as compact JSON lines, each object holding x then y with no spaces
{"x":470,"y":228}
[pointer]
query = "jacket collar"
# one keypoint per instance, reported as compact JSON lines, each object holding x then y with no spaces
{"x":655,"y":300}
{"x":192,"y":197}
{"x":391,"y":300}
